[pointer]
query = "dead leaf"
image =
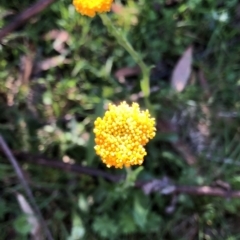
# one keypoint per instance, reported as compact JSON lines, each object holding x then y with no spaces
{"x":51,"y":63}
{"x":117,"y":8}
{"x":163,"y":186}
{"x":59,"y":37}
{"x":222,"y":184}
{"x":182,"y":71}
{"x":27,"y":62}
{"x":122,"y":73}
{"x":32,"y":220}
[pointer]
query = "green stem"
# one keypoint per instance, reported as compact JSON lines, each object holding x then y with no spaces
{"x":144,"y":84}
{"x":128,"y":180}
{"x":131,"y":176}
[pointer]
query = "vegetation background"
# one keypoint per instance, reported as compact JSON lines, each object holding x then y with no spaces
{"x":59,"y":70}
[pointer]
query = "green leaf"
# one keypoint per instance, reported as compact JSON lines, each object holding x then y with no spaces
{"x":47,"y":98}
{"x":22,"y":225}
{"x":136,"y":172}
{"x":82,"y":203}
{"x":78,"y":229}
{"x":59,"y":214}
{"x":105,"y":226}
{"x":140,"y":213}
{"x":154,"y":222}
{"x":127,"y":224}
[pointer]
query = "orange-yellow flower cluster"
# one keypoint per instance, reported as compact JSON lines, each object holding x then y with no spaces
{"x":122,"y":133}
{"x":91,"y":7}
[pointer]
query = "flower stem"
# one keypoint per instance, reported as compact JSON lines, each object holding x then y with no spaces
{"x":131,"y":176}
{"x":144,"y":83}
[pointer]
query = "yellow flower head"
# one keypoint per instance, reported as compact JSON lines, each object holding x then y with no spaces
{"x":122,"y":133}
{"x":91,"y":7}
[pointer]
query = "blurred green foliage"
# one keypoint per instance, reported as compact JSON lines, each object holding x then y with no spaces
{"x":52,"y":110}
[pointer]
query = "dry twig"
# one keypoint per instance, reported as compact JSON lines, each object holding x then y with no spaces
{"x":24,"y":184}
{"x":24,"y":16}
{"x":207,"y":191}
{"x":163,"y":186}
{"x":56,"y":163}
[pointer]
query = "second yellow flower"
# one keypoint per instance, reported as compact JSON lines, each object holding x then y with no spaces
{"x":91,"y":7}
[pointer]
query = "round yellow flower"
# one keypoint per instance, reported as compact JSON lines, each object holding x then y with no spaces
{"x":121,"y":134}
{"x":91,"y":7}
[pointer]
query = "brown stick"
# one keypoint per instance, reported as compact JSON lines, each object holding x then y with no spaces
{"x":165,"y":186}
{"x":207,"y":191}
{"x":191,"y":190}
{"x":41,"y":160}
{"x":24,"y":184}
{"x":24,"y":16}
